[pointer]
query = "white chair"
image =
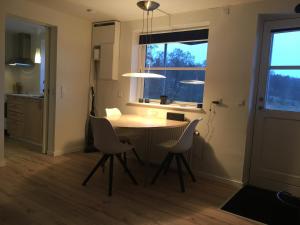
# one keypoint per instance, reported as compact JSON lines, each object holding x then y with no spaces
{"x":176,"y":148}
{"x":107,"y":141}
{"x":113,"y":112}
{"x":123,"y":136}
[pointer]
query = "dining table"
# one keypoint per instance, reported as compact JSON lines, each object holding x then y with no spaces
{"x":144,"y":122}
{"x":147,"y":123}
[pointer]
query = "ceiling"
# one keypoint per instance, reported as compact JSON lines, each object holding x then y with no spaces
{"x":125,"y":10}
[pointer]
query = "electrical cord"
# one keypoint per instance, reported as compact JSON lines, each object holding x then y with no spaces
{"x":210,"y":120}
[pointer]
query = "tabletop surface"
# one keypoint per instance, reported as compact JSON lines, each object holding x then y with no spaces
{"x":136,"y":121}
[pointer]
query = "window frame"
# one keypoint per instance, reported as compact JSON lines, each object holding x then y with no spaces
{"x":142,"y":68}
{"x":269,"y":66}
{"x":280,"y":67}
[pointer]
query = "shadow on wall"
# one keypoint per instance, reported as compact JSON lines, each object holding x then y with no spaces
{"x":204,"y":161}
{"x":73,"y":146}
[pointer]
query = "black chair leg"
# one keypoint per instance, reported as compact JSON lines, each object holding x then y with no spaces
{"x":126,"y":169}
{"x":187,"y":167}
{"x":179,"y":169}
{"x":111,"y":173}
{"x":168,"y":163}
{"x":162,"y":166}
{"x":138,"y":157}
{"x":100,"y":163}
{"x":125,"y":158}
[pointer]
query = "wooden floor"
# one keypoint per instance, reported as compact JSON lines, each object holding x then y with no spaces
{"x":36,"y":189}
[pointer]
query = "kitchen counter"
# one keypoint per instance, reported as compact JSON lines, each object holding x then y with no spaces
{"x":25,"y":118}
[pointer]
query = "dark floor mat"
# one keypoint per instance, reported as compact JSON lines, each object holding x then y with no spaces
{"x":263,"y":206}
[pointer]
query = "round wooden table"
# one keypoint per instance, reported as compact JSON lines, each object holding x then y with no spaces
{"x":144,"y":122}
{"x":148,"y":124}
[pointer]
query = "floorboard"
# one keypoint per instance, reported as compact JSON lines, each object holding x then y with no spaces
{"x":37,"y":189}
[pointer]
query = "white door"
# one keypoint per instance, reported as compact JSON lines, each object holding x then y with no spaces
{"x":276,"y":147}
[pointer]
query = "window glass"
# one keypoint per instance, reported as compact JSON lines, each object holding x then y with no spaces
{"x":283,"y":92}
{"x":174,"y":88}
{"x":286,"y":49}
{"x":188,"y":54}
{"x":155,"y":55}
{"x":179,"y":62}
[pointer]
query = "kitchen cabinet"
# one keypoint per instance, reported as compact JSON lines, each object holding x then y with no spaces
{"x":25,"y":118}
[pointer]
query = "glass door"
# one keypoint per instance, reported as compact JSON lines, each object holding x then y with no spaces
{"x":276,"y":141}
{"x":283,"y":87}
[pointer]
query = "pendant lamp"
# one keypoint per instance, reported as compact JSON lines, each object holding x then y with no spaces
{"x":194,"y":82}
{"x":147,"y":6}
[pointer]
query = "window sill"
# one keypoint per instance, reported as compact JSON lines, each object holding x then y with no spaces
{"x":171,"y":106}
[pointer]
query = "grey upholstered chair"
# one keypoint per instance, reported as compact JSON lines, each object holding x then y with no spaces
{"x":176,"y":148}
{"x":107,"y":141}
{"x":124,"y":136}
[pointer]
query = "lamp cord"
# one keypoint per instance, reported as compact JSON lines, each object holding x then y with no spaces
{"x":143,"y":22}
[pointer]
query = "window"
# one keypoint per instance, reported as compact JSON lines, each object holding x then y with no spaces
{"x":183,"y":63}
{"x":283,"y":92}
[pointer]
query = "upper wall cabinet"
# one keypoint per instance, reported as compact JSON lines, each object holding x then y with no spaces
{"x":106,"y":45}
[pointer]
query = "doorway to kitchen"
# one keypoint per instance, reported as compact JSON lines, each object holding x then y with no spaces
{"x":27,"y":80}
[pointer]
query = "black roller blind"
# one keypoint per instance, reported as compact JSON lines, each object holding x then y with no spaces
{"x":178,"y":36}
{"x":285,"y":30}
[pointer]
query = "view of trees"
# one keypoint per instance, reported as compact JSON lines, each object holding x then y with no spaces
{"x":283,"y":92}
{"x":171,"y":86}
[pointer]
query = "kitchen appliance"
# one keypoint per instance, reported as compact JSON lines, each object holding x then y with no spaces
{"x":22,"y":55}
{"x":106,"y":48}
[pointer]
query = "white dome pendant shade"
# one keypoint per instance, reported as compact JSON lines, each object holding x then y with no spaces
{"x":194,"y":82}
{"x":144,"y":75}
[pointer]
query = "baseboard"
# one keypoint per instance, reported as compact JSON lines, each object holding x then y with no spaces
{"x":66,"y":151}
{"x":2,"y":163}
{"x":209,"y":176}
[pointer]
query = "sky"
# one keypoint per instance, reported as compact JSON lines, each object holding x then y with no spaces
{"x":286,"y":52}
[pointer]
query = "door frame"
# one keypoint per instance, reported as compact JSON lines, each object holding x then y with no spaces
{"x":50,"y":87}
{"x":254,"y":89}
{"x":50,"y":84}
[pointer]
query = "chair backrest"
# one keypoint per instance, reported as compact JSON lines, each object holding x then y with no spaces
{"x":105,"y":137}
{"x":113,"y":112}
{"x":185,"y":141}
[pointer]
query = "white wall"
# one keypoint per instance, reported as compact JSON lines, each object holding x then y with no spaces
{"x":29,"y":78}
{"x":73,"y":56}
{"x":231,"y":54}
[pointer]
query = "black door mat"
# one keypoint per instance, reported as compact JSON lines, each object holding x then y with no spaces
{"x":263,"y":206}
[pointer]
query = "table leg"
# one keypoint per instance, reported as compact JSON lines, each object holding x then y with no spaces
{"x":148,"y":147}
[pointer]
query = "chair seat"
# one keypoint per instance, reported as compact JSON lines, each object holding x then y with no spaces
{"x":124,"y":139}
{"x":119,"y":148}
{"x":126,"y":136}
{"x":168,"y":145}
